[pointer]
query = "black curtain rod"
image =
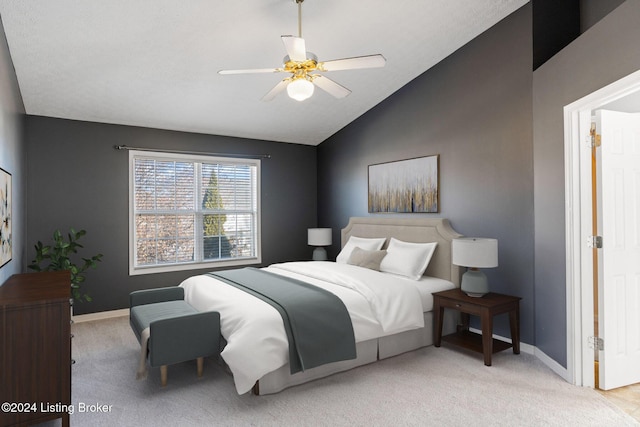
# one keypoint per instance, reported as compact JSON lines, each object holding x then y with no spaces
{"x":157,"y":150}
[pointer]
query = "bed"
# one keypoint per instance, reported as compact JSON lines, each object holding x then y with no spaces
{"x":391,"y":316}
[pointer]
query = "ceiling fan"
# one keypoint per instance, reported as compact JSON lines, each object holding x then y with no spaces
{"x":304,"y":66}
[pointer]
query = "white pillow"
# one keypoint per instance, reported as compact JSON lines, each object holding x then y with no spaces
{"x":407,"y":259}
{"x":362,"y":243}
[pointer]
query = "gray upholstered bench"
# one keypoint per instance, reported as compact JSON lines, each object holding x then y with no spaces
{"x":172,"y":330}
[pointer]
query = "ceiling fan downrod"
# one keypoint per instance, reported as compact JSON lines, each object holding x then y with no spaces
{"x":299,"y":3}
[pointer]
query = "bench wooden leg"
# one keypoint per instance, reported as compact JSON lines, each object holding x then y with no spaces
{"x":200,"y":361}
{"x":163,"y":375}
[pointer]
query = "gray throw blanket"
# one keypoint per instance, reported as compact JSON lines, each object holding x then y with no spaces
{"x":317,"y":323}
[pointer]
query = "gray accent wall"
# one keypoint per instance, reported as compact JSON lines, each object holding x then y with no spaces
{"x":605,"y":53}
{"x":12,"y":154}
{"x":77,"y":179}
{"x":474,"y":110}
{"x":592,"y":11}
{"x":498,"y":129}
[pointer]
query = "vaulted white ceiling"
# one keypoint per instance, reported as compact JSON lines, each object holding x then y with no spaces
{"x":154,"y":63}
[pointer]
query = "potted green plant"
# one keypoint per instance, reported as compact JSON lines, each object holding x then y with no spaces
{"x":58,"y":257}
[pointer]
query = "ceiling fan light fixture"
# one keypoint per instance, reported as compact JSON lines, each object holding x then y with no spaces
{"x":300,"y":89}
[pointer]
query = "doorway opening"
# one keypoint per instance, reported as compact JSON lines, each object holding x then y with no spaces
{"x":623,"y":94}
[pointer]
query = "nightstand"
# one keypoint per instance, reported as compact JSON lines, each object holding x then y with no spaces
{"x":485,"y":307}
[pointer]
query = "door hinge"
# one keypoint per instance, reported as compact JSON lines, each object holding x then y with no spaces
{"x":596,"y":343}
{"x":594,"y":242}
{"x":595,"y":140}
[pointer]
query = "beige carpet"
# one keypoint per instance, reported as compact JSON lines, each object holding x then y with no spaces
{"x":431,"y":386}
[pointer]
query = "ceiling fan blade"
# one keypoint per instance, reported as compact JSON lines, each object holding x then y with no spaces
{"x":276,"y":90}
{"x":295,"y":48}
{"x":330,"y":86}
{"x":369,"y":61}
{"x":251,"y":71}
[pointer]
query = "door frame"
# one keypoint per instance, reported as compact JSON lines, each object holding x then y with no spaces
{"x":579,"y":261}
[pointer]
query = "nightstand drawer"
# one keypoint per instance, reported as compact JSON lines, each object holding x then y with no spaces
{"x":461,"y":306}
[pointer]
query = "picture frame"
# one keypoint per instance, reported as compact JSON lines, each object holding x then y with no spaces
{"x":405,"y":186}
{"x":6,"y":240}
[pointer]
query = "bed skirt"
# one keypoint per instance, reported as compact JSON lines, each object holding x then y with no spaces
{"x":367,"y":352}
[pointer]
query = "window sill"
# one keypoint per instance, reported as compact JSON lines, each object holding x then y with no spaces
{"x":136,"y":271}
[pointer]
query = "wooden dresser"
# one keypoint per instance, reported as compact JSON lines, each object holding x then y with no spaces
{"x":35,"y":339}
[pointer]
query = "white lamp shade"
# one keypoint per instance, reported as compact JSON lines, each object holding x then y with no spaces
{"x":475,"y":252}
{"x":319,"y":236}
{"x":300,"y":89}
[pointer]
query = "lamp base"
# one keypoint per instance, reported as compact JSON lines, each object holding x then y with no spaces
{"x":474,"y":283}
{"x":319,"y":254}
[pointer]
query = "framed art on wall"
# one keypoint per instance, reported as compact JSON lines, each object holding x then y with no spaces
{"x":5,"y":216}
{"x":405,"y":186}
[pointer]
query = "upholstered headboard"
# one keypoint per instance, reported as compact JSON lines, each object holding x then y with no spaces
{"x":417,"y":230}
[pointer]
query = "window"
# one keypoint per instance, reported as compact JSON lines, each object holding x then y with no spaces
{"x":189,"y":212}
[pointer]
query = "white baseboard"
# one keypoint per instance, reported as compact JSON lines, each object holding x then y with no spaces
{"x":533,"y":350}
{"x":552,"y":364}
{"x":102,"y":315}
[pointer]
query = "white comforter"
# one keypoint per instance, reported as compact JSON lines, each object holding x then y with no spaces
{"x":378,"y":304}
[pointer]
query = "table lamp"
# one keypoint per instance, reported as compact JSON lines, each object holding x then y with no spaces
{"x":475,"y":253}
{"x":319,"y":237}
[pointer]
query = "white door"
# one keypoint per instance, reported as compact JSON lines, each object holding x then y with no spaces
{"x":619,"y":263}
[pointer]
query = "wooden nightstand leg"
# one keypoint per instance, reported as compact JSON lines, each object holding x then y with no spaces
{"x":487,"y":336}
{"x":514,"y":323}
{"x":464,"y":322}
{"x":439,"y":315}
